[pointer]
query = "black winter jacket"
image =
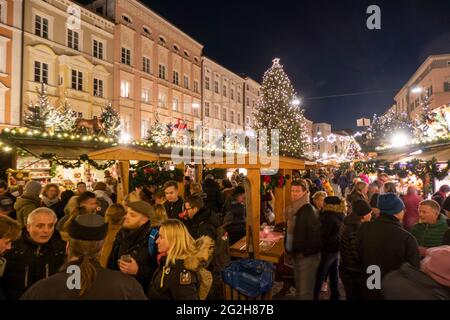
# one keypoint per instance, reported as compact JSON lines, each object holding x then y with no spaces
{"x":28,"y":262}
{"x":307,"y":235}
{"x":173,"y":209}
{"x":386,"y":244}
{"x":201,"y":224}
{"x":350,"y":260}
{"x":409,"y":283}
{"x":135,"y":243}
{"x":332,"y":223}
{"x":214,"y":197}
{"x":108,"y":285}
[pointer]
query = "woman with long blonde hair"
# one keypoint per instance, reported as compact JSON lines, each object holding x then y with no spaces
{"x":182,"y":260}
{"x":359,"y":192}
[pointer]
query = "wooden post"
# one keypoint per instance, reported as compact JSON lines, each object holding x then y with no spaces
{"x":181,"y":184}
{"x":280,"y":201}
{"x":199,"y":173}
{"x":254,"y":178}
{"x":287,"y":188}
{"x":123,"y":185}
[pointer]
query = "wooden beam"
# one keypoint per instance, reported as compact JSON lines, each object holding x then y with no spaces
{"x":287,"y":189}
{"x":254,"y":177}
{"x":199,"y":173}
{"x":123,"y":185}
{"x":280,"y":203}
{"x":181,"y":184}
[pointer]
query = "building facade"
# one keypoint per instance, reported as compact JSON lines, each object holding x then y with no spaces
{"x":432,"y":79}
{"x":70,"y":49}
{"x":222,"y":100}
{"x":328,"y":144}
{"x":11,"y":17}
{"x":157,"y":68}
{"x":251,"y":95}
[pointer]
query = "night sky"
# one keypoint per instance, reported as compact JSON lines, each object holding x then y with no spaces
{"x":325,"y":46}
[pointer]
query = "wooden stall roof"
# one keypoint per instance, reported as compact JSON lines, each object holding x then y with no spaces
{"x":246,"y":161}
{"x":125,"y":153}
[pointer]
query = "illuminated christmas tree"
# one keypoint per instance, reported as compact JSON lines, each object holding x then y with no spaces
{"x":69,"y":117}
{"x":277,"y":109}
{"x":111,"y":121}
{"x":42,"y":116}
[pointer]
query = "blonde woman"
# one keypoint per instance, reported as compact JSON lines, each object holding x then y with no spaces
{"x":181,"y":273}
{"x":359,"y":192}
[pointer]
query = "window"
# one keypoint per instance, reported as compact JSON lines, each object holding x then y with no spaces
{"x":207,"y":83}
{"x":126,"y":18}
{"x":162,"y":40}
{"x":247,"y":87}
{"x":175,"y":47}
{"x":253,"y":103}
{"x":176,"y":78}
{"x":248,"y":102}
{"x":206,"y":135}
{"x":224,"y":90}
{"x":318,"y":147}
{"x":186,"y":82}
{"x":231,"y":116}
{"x":126,"y":56}
{"x":77,"y":80}
{"x":79,"y":114}
{"x":125,"y":89}
{"x":216,"y":111}
{"x":207,"y":114}
{"x":73,"y":39}
{"x":40,"y":72}
{"x":447,"y":86}
{"x":224,"y":114}
{"x":195,"y":86}
{"x":97,"y":49}
{"x":239,"y":97}
{"x":3,"y":11}
{"x":41,"y":27}
{"x":145,"y":95}
{"x":145,"y":125}
{"x":196,"y":59}
{"x":162,"y":71}
{"x":335,"y":149}
{"x":98,"y":87}
{"x":247,"y":120}
{"x":175,"y":104}
{"x":147,"y":31}
{"x":232,"y":93}
{"x":216,"y":86}
{"x":162,"y":100}
{"x":186,"y":54}
{"x":146,"y":64}
{"x":239,"y":119}
{"x":195,"y":109}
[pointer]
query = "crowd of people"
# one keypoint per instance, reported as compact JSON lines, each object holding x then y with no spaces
{"x":154,"y":244}
{"x":342,"y":228}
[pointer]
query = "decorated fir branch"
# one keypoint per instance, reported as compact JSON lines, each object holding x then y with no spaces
{"x":276,"y":110}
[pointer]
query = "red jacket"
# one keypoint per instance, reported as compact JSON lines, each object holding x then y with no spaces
{"x":411,"y":202}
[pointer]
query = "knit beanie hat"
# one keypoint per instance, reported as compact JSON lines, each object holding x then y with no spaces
{"x":390,"y":203}
{"x":90,"y":227}
{"x":361,"y":208}
{"x":32,"y":189}
{"x":142,"y":207}
{"x":436,"y":264}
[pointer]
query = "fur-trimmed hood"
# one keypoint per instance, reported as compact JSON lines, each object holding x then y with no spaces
{"x":205,"y":248}
{"x":338,"y":208}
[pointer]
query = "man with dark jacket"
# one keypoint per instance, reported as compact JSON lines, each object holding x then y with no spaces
{"x":130,"y":253}
{"x":306,"y":242}
{"x":214,"y":197}
{"x":350,"y":270}
{"x":28,"y":202}
{"x":234,"y":215}
{"x":331,"y":220}
{"x":431,"y":282}
{"x":87,"y":233}
{"x":174,"y":203}
{"x":385,"y":244}
{"x":199,"y":218}
{"x":38,"y":254}
{"x":9,"y":232}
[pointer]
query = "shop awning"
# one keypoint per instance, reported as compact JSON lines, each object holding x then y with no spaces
{"x":67,"y":150}
{"x":442,"y":155}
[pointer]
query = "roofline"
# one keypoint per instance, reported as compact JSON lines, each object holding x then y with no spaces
{"x":221,"y":66}
{"x":169,"y":23}
{"x":421,"y":68}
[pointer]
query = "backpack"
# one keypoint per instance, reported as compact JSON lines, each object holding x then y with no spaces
{"x":152,"y":241}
